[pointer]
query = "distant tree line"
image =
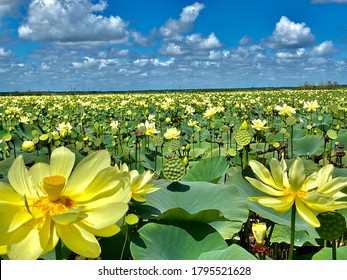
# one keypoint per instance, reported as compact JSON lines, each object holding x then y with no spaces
{"x":322,"y":85}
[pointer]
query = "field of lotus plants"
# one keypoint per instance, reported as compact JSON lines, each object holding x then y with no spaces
{"x":194,"y":175}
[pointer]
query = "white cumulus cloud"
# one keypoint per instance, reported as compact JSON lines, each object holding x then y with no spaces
{"x":10,"y":7}
{"x":289,"y":34}
{"x":197,"y":41}
{"x":71,"y":21}
{"x":4,"y":52}
{"x":171,"y":49}
{"x":185,"y":23}
{"x":324,"y":49}
{"x":86,"y":63}
{"x":245,"y":40}
{"x":210,"y":42}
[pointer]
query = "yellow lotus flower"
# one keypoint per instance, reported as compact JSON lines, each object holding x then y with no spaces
{"x":49,"y":202}
{"x":3,"y":250}
{"x":139,"y":183}
{"x":311,"y":106}
{"x":172,"y":133}
{"x":210,"y":112}
{"x":64,"y":128}
{"x":259,"y":124}
{"x":192,"y":123}
{"x":285,"y":110}
{"x":317,"y":192}
{"x":148,"y":128}
{"x":189,"y":110}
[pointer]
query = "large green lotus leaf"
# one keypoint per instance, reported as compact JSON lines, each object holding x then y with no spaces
{"x":298,"y":132}
{"x":326,"y":119}
{"x":179,"y":241}
{"x":234,"y":252}
{"x":188,"y":130}
{"x":309,"y":145}
{"x":227,"y":228}
{"x":340,"y":172}
{"x":26,"y":130}
{"x":196,"y":152}
{"x":209,"y":170}
{"x":204,"y":216}
{"x":282,"y":234}
{"x":198,"y":201}
{"x":326,"y":254}
{"x":342,"y":137}
{"x":247,"y":190}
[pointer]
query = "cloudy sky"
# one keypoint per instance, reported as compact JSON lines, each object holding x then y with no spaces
{"x":62,"y":45}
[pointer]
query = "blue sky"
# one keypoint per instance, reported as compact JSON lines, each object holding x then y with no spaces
{"x":62,"y":45}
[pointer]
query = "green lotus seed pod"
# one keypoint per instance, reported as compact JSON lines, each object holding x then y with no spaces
{"x":44,"y":137}
{"x":175,"y":145}
{"x":271,"y":138}
{"x":7,"y":137}
{"x":332,"y":134}
{"x":332,"y":225}
{"x":232,"y":152}
{"x":290,"y":121}
{"x":35,"y":133}
{"x":243,"y":137}
{"x":224,"y":128}
{"x":158,"y":141}
{"x":174,"y":169}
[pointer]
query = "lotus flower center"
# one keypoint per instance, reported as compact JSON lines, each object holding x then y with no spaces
{"x":53,"y":186}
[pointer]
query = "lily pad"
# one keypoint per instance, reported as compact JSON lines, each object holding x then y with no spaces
{"x":308,"y":145}
{"x":282,"y":234}
{"x":179,"y":241}
{"x":326,"y":254}
{"x":234,"y":252}
{"x":209,"y":170}
{"x":192,"y":201}
{"x":227,"y":228}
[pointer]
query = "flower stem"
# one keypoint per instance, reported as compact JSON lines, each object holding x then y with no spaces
{"x":155,"y":159}
{"x":125,"y":242}
{"x":292,"y":233}
{"x":291,"y":141}
{"x":58,"y":251}
{"x":333,"y":245}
